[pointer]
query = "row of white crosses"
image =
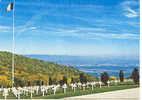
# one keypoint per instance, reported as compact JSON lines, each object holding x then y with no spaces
{"x":28,"y":90}
{"x":32,"y":90}
{"x":35,"y":89}
{"x":73,"y":86}
{"x":93,"y":84}
{"x":84,"y":86}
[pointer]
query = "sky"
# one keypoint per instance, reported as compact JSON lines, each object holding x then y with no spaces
{"x":72,"y":27}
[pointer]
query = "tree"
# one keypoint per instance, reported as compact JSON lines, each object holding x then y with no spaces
{"x":42,"y":82}
{"x":50,"y":81}
{"x":121,"y":76}
{"x":65,"y":80}
{"x":72,"y":80}
{"x":135,"y":75}
{"x":104,"y":78}
{"x":3,"y":80}
{"x":29,"y":83}
{"x":68,"y":80}
{"x":38,"y":82}
{"x":83,"y":78}
{"x":18,"y":82}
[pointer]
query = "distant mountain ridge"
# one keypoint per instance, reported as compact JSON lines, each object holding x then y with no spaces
{"x":86,"y":60}
{"x":94,"y":65}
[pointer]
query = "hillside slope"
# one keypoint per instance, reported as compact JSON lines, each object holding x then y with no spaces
{"x":33,"y":70}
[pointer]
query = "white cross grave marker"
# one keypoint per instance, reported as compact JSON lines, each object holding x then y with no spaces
{"x":5,"y":93}
{"x":108,"y":82}
{"x":83,"y":85}
{"x":100,"y":83}
{"x":64,"y":87}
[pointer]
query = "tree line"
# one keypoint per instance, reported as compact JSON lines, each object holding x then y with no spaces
{"x":104,"y":78}
{"x":134,"y":76}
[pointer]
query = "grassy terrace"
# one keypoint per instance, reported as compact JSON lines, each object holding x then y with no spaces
{"x":81,"y":92}
{"x":78,"y":92}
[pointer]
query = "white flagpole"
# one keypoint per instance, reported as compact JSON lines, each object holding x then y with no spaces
{"x":13,"y":41}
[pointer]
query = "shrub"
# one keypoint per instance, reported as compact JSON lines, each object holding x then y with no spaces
{"x":112,"y":78}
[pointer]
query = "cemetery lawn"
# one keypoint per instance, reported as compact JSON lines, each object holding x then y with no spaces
{"x":70,"y":93}
{"x":79,"y":92}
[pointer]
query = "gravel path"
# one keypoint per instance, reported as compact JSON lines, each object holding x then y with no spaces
{"x":128,"y":94}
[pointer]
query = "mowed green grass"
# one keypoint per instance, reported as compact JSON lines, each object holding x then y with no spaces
{"x":70,"y":93}
{"x":79,"y":92}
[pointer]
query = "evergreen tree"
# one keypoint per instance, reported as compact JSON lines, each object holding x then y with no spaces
{"x":18,"y":82}
{"x":121,"y":76}
{"x":64,"y":80}
{"x":50,"y":81}
{"x":38,"y":82}
{"x":104,"y":78}
{"x":29,"y":83}
{"x":72,"y":80}
{"x":83,"y":78}
{"x":42,"y":83}
{"x":135,"y":75}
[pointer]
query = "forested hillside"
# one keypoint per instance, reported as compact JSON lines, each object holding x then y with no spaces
{"x":33,"y":71}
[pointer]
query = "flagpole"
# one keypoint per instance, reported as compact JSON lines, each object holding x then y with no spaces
{"x":13,"y":41}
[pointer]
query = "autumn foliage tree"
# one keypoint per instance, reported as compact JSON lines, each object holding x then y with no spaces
{"x":4,"y":81}
{"x":112,"y":78}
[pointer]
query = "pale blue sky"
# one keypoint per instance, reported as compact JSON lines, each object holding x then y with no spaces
{"x":72,"y":27}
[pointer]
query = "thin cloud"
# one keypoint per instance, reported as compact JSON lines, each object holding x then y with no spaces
{"x":4,"y":28}
{"x":134,"y":24}
{"x":131,"y":13}
{"x":87,"y":33}
{"x":33,"y":28}
{"x":127,"y":8}
{"x":29,"y":25}
{"x":129,"y":2}
{"x":119,"y":36}
{"x":25,"y":29}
